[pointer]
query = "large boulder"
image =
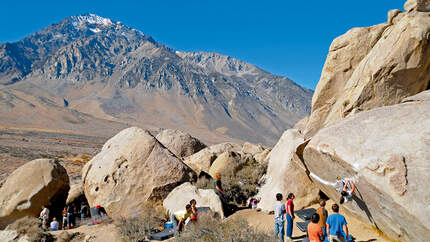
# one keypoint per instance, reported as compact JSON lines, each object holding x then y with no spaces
{"x":372,"y":67}
{"x":182,"y":195}
{"x":132,"y":168}
{"x":36,"y":183}
{"x":286,"y":174}
{"x":180,"y":143}
{"x":387,"y":152}
{"x":228,"y":160}
{"x":202,"y":160}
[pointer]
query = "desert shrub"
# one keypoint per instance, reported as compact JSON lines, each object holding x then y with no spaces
{"x":209,"y":228}
{"x":205,"y":183}
{"x":243,"y":184}
{"x":136,"y":229}
{"x":70,"y":237}
{"x":31,"y":228}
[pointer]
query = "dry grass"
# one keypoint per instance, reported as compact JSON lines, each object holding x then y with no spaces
{"x":211,"y":229}
{"x":31,"y":228}
{"x":137,"y":229}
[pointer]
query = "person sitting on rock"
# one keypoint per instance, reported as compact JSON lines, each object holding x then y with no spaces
{"x":218,"y":188}
{"x":54,"y":224}
{"x":194,"y":212}
{"x":346,"y":195}
{"x":178,"y":218}
{"x":44,"y":216}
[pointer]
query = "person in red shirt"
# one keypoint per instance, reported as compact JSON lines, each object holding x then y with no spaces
{"x":314,"y":229}
{"x":290,"y":216}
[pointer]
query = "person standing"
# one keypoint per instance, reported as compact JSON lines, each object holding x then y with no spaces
{"x":69,"y":216}
{"x":280,"y":210}
{"x":314,"y":230}
{"x":64,"y":213}
{"x":323,"y":214}
{"x":290,"y":216}
{"x":84,"y":212}
{"x":44,"y":216}
{"x":336,"y":225}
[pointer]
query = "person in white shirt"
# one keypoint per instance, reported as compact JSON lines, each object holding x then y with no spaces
{"x":280,"y":211}
{"x":44,"y":216}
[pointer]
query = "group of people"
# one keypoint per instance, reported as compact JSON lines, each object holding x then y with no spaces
{"x":70,"y":214}
{"x":179,"y":218}
{"x":322,"y":226}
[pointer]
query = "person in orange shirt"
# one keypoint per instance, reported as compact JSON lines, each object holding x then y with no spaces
{"x":315,"y":232}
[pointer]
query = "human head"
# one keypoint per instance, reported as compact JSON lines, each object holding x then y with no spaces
{"x":218,"y":176}
{"x":193,"y":202}
{"x":188,"y":208}
{"x":278,"y":197}
{"x":54,"y":219}
{"x":343,"y":193}
{"x":322,"y":203}
{"x":43,"y":206}
{"x":335,"y":208}
{"x":315,"y":218}
{"x":342,"y":199}
{"x":291,"y":196}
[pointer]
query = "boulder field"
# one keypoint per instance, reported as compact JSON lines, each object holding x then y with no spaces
{"x":36,"y":183}
{"x":132,"y":168}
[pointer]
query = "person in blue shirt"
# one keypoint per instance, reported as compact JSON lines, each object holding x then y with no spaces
{"x":336,"y":226}
{"x":280,"y":210}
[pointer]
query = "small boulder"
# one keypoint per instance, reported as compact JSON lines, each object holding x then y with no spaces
{"x":252,"y":149}
{"x":418,"y":5}
{"x":181,"y":196}
{"x":36,"y":183}
{"x":202,"y":160}
{"x":261,"y":157}
{"x":227,"y":160}
{"x":132,"y":168}
{"x":179,"y":143}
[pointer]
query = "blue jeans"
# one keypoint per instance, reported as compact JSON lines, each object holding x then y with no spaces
{"x":280,"y":230}
{"x":289,"y":225}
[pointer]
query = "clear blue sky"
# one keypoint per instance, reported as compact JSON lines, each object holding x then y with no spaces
{"x":289,"y":38}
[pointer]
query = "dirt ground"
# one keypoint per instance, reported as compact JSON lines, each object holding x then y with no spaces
{"x":96,"y":233}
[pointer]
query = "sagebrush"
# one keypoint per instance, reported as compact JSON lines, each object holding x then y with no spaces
{"x":30,"y":228}
{"x":211,"y":229}
{"x":137,"y":229}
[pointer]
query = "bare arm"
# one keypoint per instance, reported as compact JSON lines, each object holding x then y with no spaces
{"x":345,"y":228}
{"x":328,"y":229}
{"x":352,"y":187}
{"x":180,"y":222}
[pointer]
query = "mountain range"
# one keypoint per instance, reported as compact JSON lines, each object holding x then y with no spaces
{"x":93,"y":75}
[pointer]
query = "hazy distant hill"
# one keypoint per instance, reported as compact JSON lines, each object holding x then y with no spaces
{"x":95,"y":75}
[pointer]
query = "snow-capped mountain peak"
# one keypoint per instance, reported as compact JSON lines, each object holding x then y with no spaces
{"x":91,"y":19}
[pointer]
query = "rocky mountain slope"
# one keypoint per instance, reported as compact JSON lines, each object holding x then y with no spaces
{"x":102,"y":69}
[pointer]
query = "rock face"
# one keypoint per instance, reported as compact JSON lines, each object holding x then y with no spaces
{"x":36,"y":183}
{"x":132,"y":168}
{"x":202,"y":160}
{"x":387,"y":152}
{"x":228,"y":160}
{"x":418,"y":5}
{"x":76,"y":194}
{"x":285,"y":174}
{"x":180,"y":143}
{"x":373,"y":67}
{"x":182,"y":195}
